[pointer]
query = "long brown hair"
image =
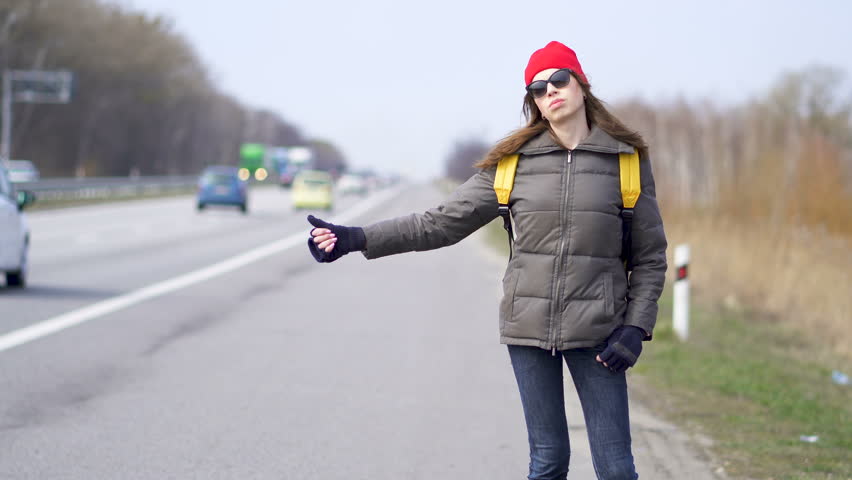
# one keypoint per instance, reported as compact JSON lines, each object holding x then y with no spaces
{"x":596,"y":114}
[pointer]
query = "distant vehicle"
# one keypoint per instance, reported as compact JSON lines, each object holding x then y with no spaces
{"x":289,"y":161}
{"x":252,"y":158}
{"x":221,"y":185}
{"x":373,"y":180}
{"x":22,"y":171}
{"x":14,"y":232}
{"x":313,"y":189}
{"x":286,"y":173}
{"x":349,"y":183}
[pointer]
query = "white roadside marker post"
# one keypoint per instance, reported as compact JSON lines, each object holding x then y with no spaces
{"x":681,"y":292}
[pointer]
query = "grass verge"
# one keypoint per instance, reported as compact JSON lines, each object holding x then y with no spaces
{"x":755,"y":389}
{"x":801,"y":276}
{"x":751,"y":385}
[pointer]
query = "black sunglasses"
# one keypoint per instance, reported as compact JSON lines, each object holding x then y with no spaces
{"x":560,"y":78}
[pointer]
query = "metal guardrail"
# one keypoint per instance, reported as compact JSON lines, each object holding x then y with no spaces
{"x":60,"y":189}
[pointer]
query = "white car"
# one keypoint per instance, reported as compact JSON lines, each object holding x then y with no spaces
{"x":22,"y":171}
{"x":349,"y":183}
{"x":14,"y":233}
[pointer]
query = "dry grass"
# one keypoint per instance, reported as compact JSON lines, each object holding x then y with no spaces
{"x":798,"y":277}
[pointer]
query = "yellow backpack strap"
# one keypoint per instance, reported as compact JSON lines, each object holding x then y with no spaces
{"x":504,"y":180}
{"x":631,"y":188}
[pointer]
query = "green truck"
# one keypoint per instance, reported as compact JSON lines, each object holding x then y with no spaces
{"x":252,"y":162}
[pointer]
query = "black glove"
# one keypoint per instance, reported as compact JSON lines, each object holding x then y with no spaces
{"x":623,"y":348}
{"x":349,"y":239}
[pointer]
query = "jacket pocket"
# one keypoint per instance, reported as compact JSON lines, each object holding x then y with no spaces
{"x":609,"y":298}
{"x":507,"y":304}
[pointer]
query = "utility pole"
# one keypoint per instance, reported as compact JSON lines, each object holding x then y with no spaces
{"x":5,"y":138}
{"x":6,"y":110}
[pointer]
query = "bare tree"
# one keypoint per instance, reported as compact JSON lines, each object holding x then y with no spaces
{"x":465,"y":153}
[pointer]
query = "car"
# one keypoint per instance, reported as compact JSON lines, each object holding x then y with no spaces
{"x":14,"y":232}
{"x":286,"y":173}
{"x":312,"y":189}
{"x":22,"y":171}
{"x":221,"y":185}
{"x":350,"y":183}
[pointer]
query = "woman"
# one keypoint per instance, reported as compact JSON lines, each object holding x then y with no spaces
{"x":566,"y":292}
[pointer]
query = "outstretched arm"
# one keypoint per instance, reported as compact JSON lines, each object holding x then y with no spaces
{"x":472,"y":205}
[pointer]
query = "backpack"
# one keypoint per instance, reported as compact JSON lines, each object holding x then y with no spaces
{"x":631,"y":188}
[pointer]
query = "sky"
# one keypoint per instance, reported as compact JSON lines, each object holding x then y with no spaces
{"x":395,"y":84}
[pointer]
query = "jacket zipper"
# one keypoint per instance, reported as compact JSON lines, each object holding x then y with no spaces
{"x":557,"y":299}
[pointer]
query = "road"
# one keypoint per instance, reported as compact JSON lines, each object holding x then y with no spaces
{"x":268,"y":365}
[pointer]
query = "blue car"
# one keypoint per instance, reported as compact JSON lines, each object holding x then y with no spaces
{"x":221,"y":185}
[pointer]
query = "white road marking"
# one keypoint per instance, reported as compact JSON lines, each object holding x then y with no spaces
{"x":76,"y":317}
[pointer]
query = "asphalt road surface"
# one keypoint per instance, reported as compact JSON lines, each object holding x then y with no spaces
{"x":155,"y":342}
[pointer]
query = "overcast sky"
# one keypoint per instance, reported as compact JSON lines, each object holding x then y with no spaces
{"x":395,"y":83}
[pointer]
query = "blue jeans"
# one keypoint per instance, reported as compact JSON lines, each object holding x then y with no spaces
{"x":603,"y":396}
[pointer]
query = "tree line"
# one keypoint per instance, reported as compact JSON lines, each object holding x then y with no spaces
{"x":143,"y":102}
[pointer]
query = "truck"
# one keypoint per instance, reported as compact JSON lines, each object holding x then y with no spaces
{"x":252,"y":162}
{"x":289,"y":161}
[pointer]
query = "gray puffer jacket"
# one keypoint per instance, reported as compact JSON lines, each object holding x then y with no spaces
{"x":565,"y":286}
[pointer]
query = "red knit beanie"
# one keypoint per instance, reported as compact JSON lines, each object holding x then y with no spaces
{"x":553,"y":55}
